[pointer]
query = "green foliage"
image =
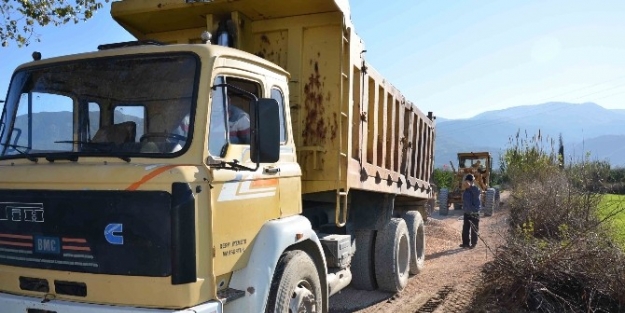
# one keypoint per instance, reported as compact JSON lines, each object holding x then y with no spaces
{"x":18,"y":18}
{"x":616,"y":181}
{"x":443,"y":178}
{"x":590,"y":175}
{"x":496,"y":178}
{"x":612,"y":208}
{"x":529,"y":158}
{"x":617,"y":175}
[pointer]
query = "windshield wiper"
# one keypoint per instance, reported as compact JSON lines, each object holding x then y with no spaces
{"x":72,"y":156}
{"x":98,"y":146}
{"x":233,"y":166}
{"x":122,"y":157}
{"x":28,"y":156}
{"x":62,"y":156}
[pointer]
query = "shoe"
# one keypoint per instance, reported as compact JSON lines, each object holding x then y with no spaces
{"x":472,"y":246}
{"x":464,"y":246}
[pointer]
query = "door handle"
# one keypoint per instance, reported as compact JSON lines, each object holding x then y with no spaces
{"x":271,"y":170}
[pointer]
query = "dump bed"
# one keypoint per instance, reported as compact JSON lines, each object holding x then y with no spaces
{"x":351,"y":127}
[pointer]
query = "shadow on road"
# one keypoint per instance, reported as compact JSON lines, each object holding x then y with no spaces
{"x":350,"y":300}
{"x":444,"y":253}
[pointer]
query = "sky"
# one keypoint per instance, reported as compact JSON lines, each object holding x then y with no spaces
{"x":454,"y":58}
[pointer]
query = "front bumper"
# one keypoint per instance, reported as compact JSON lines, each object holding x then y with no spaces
{"x":20,"y":304}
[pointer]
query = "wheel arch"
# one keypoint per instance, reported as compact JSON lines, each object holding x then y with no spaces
{"x":273,"y":239}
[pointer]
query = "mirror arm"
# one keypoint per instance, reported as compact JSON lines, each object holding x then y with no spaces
{"x":243,"y":91}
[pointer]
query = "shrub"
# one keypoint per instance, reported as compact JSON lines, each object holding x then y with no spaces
{"x":443,"y":177}
{"x":558,"y":254}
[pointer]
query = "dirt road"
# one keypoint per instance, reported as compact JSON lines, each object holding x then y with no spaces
{"x":450,"y":276}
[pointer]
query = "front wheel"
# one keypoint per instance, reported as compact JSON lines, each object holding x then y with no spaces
{"x":295,"y":286}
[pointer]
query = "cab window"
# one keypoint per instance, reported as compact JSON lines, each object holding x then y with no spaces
{"x":277,"y":95}
{"x":229,"y":118}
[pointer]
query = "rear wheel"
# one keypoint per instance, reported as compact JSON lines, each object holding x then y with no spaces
{"x":489,"y":202}
{"x":392,"y":256}
{"x":295,"y":286}
{"x":497,"y":199}
{"x":443,"y":195}
{"x":430,"y":208}
{"x":363,"y":274}
{"x":416,"y":232}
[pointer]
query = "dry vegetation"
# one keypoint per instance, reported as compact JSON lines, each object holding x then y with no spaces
{"x":548,"y":249}
{"x":558,"y":255}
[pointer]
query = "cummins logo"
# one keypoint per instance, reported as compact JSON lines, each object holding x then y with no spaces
{"x":113,"y":234}
{"x":21,"y":212}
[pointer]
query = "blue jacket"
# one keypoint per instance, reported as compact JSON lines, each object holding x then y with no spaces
{"x":471,"y":200}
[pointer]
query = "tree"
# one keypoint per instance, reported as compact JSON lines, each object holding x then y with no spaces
{"x":443,"y":178}
{"x":18,"y":18}
{"x":561,"y":152}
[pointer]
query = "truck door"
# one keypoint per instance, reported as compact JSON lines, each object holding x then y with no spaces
{"x":243,"y":199}
{"x":287,"y":168}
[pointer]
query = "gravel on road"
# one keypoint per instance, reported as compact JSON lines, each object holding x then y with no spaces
{"x":451,"y":273}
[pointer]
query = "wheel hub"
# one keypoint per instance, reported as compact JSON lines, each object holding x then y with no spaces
{"x":302,"y":299}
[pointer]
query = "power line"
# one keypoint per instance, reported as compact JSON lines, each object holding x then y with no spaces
{"x":583,"y":88}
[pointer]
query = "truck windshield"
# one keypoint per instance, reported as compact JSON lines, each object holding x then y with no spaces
{"x":119,"y":106}
{"x":466,"y":162}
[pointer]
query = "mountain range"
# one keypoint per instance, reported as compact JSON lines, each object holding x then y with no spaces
{"x":587,"y":129}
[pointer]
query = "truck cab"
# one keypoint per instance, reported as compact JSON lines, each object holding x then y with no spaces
{"x":107,"y":156}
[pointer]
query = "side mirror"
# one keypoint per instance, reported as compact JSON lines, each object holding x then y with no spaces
{"x":265,"y":131}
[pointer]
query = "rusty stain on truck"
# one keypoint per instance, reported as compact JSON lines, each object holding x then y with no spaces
{"x":272,"y":46}
{"x":316,"y":127}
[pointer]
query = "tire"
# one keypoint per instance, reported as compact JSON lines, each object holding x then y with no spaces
{"x":363,"y":273}
{"x":392,"y":256}
{"x":431,"y":204}
{"x":489,"y":202}
{"x":416,"y":233}
{"x":497,"y":199}
{"x":295,"y":286}
{"x":443,"y":195}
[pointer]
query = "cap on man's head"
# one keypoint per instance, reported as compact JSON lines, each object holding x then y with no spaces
{"x":469,"y":177}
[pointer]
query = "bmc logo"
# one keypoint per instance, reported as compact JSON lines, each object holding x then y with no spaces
{"x":50,"y":245}
{"x":21,"y":212}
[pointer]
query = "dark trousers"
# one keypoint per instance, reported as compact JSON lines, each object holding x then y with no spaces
{"x":471,"y":224}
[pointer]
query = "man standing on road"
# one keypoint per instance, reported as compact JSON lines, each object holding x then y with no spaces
{"x":471,"y":207}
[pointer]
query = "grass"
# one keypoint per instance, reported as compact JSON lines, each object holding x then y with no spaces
{"x":615,"y":205}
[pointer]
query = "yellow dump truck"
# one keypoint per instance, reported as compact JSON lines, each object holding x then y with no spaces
{"x":240,"y":156}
